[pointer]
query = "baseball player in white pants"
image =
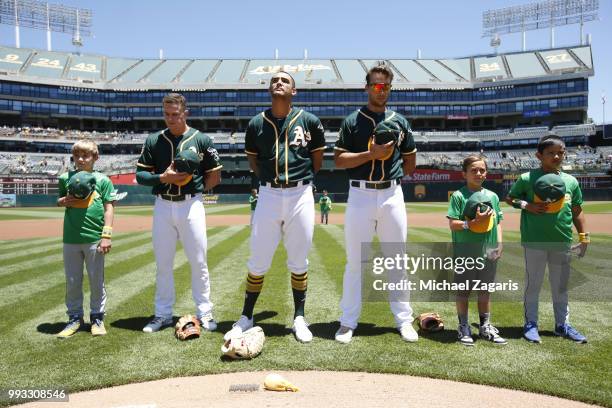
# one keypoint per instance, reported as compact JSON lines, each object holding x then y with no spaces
{"x":376,"y":201}
{"x":285,"y":149}
{"x":178,"y":212}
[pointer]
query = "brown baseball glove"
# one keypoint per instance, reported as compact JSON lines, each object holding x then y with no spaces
{"x":430,"y":322}
{"x":187,"y":328}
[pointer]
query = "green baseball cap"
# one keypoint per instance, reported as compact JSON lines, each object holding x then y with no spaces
{"x":550,"y":189}
{"x":476,"y":201}
{"x":479,"y":201}
{"x":81,"y":184}
{"x":386,"y":132}
{"x":187,"y":161}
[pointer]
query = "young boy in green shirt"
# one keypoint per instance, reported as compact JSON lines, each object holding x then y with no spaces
{"x":253,"y":202}
{"x":88,"y":220}
{"x":477,"y":235}
{"x":550,"y":202}
{"x":325,"y":206}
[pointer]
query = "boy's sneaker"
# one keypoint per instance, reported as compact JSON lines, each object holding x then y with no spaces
{"x":208,"y":323}
{"x":464,"y":335}
{"x":530,"y":332}
{"x":344,"y":335}
{"x":408,"y":333}
{"x":157,"y":323}
{"x":97,"y":328}
{"x":73,"y":326}
{"x":243,"y":324}
{"x":301,"y":330}
{"x":571,"y":333}
{"x":490,"y":332}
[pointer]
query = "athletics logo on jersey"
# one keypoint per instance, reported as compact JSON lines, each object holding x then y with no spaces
{"x":300,"y":137}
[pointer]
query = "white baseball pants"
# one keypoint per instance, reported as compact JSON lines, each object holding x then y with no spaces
{"x":286,"y":213}
{"x":370,"y":212}
{"x":184,"y":220}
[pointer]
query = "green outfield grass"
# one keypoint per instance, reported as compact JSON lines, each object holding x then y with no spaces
{"x":33,"y":213}
{"x":33,"y":311}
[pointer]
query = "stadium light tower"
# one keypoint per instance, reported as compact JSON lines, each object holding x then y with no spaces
{"x":44,"y":16}
{"x":536,"y":16}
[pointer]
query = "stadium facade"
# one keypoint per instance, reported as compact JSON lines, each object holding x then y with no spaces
{"x":489,"y":102}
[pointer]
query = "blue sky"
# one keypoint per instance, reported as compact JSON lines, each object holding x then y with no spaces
{"x":327,"y":28}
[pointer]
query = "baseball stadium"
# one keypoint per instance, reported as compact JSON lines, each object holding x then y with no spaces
{"x":497,"y":105}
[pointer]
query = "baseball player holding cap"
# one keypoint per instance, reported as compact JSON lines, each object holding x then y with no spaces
{"x":376,"y":201}
{"x":550,"y":202}
{"x":179,"y":163}
{"x":284,"y":146}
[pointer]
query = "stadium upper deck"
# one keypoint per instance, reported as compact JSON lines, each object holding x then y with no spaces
{"x":41,"y":88}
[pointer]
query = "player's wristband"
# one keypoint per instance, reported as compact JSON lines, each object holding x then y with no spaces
{"x":519,"y":204}
{"x":107,"y":232}
{"x":584,"y":238}
{"x":466,"y":226}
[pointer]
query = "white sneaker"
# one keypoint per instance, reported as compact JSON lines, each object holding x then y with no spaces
{"x":344,"y":335}
{"x":301,"y":330}
{"x":243,"y":324}
{"x":156,"y":324}
{"x":408,"y":333}
{"x":464,"y":335}
{"x":208,"y":323}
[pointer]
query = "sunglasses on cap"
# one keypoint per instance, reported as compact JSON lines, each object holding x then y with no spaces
{"x":380,"y":87}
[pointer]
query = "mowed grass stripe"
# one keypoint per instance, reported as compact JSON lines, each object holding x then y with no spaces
{"x":32,"y":287}
{"x":57,"y":292}
{"x":220,"y":257}
{"x":9,"y":245}
{"x":26,"y":262}
{"x":120,"y":289}
{"x":25,"y":252}
{"x":46,"y":213}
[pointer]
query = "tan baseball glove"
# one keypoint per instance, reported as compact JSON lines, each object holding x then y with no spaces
{"x":430,"y":322}
{"x":187,"y":328}
{"x":246,"y":345}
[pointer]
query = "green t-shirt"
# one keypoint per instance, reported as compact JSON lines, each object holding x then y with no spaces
{"x":253,"y":202}
{"x":84,"y":225}
{"x":546,"y":227}
{"x":160,"y":149}
{"x":325,"y":203}
{"x":283,"y":147}
{"x":456,"y":207}
{"x":355,"y":134}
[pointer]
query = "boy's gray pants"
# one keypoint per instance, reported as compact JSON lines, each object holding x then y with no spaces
{"x":75,"y":255}
{"x":558,"y":261}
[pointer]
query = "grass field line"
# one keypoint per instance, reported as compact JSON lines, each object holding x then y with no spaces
{"x":20,"y":266}
{"x":122,"y":289}
{"x":14,"y":293}
{"x":34,"y":249}
{"x":6,"y":245}
{"x":36,"y":213}
{"x":212,"y":210}
{"x":336,"y":231}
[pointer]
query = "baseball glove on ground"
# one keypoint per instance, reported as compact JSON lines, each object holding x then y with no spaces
{"x":187,"y":328}
{"x":430,"y":322}
{"x":246,"y":345}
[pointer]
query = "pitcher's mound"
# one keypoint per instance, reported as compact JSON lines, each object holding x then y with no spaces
{"x":317,"y":389}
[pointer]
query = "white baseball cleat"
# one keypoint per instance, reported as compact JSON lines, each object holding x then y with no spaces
{"x":301,"y":330}
{"x":344,"y":335}
{"x":208,"y":323}
{"x":243,"y":324}
{"x":408,"y":333}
